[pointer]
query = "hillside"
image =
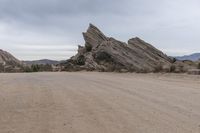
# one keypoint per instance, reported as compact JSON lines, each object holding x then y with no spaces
{"x":8,"y":63}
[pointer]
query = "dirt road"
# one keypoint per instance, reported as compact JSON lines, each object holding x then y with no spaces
{"x":99,"y":103}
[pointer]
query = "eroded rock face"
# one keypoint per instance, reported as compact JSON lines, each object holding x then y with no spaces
{"x":93,"y":37}
{"x":102,"y":53}
{"x":8,"y":63}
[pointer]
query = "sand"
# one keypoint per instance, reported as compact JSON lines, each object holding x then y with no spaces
{"x":90,"y":102}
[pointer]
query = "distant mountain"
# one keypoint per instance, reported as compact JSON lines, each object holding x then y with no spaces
{"x":8,"y":63}
{"x":42,"y":62}
{"x":192,"y":57}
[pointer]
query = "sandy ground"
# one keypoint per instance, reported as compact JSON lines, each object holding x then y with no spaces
{"x":99,"y":103}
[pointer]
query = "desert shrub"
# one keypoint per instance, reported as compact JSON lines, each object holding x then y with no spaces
{"x":27,"y":69}
{"x":1,"y":68}
{"x":172,"y":68}
{"x":45,"y":67}
{"x":88,"y":47}
{"x":103,"y":56}
{"x":181,"y":69}
{"x":198,"y":66}
{"x":144,"y":71}
{"x":35,"y":68}
{"x":80,"y":60}
{"x":174,"y":60}
{"x":158,"y":68}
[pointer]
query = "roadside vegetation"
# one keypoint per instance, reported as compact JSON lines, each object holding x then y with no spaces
{"x":38,"y":68}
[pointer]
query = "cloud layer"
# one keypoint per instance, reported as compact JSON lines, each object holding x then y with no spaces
{"x":35,"y":29}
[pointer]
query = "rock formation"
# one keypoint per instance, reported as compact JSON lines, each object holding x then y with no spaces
{"x":102,"y":53}
{"x":8,"y":63}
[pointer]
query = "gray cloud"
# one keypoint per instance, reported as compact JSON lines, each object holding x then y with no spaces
{"x":172,"y":26}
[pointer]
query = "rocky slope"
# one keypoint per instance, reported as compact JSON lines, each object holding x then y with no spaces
{"x":8,"y":63}
{"x":102,"y":53}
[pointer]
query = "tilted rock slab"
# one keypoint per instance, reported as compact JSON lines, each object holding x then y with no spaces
{"x":102,"y":53}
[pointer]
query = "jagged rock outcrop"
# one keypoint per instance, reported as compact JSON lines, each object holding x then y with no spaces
{"x":102,"y":53}
{"x":8,"y":63}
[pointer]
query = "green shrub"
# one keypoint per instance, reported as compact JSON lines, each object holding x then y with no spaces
{"x":27,"y":69}
{"x":80,"y":60}
{"x":172,"y":68}
{"x":198,"y":66}
{"x":35,"y":68}
{"x":88,"y":47}
{"x":103,"y":56}
{"x":158,"y":68}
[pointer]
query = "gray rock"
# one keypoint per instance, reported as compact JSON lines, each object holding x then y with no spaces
{"x":102,"y":53}
{"x":8,"y":63}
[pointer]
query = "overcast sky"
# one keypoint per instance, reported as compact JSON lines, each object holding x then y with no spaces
{"x":38,"y":29}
